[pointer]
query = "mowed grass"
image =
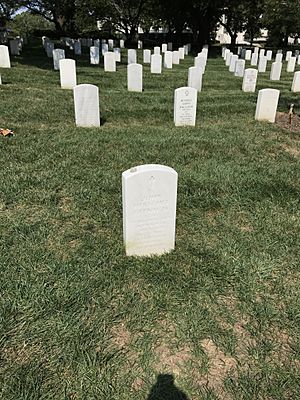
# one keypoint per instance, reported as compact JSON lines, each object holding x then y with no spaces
{"x":79,"y":319}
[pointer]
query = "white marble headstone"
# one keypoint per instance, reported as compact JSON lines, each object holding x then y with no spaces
{"x":170,"y":46}
{"x":195,"y":78}
{"x":200,"y":62}
{"x":4,"y":57}
{"x":135,"y":78}
{"x":266,"y":105}
{"x":291,"y":64}
{"x":117,"y":52}
{"x":288,"y":55}
{"x":254,"y":59}
{"x":147,"y":56}
{"x":86,"y":100}
{"x":168,"y":60}
{"x":131,"y":56}
{"x":104,"y":48}
{"x":228,"y":58}
{"x":140,"y":44}
{"x":156,"y":60}
{"x":164,"y":47}
{"x":239,"y":68}
{"x":109,"y":62}
{"x":156,"y":50}
{"x":296,"y":82}
{"x":269,"y":55}
{"x":122,"y":43}
{"x":181,"y":53}
{"x":262,"y":64}
{"x":176,"y":59}
{"x":233,"y":61}
{"x":248,"y":55}
{"x":226,"y":51}
{"x":185,"y":105}
{"x":278,"y":57}
{"x":111,"y":43}
{"x":67,"y":70}
{"x":249,"y":81}
{"x":276,"y":71}
{"x":94,"y":55}
{"x":58,"y":54}
{"x":149,"y":196}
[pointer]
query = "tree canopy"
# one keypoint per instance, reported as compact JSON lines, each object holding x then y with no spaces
{"x":201,"y":17}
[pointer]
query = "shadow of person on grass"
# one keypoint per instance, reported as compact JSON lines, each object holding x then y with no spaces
{"x":165,"y":389}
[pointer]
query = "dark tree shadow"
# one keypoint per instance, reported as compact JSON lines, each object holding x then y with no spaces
{"x":165,"y":389}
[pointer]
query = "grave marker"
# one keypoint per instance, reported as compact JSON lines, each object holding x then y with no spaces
{"x":185,"y":104}
{"x":110,"y":62}
{"x":168,"y":60}
{"x":233,"y":61}
{"x":239,"y":68}
{"x":276,"y":71}
{"x":296,"y":82}
{"x":266,"y":105}
{"x":67,"y":70}
{"x":291,"y":64}
{"x":131,"y":56}
{"x":149,"y":196}
{"x":195,"y":78}
{"x":94,"y":55}
{"x":58,"y":54}
{"x":249,"y":81}
{"x":86,"y":101}
{"x":135,"y":78}
{"x":147,"y":56}
{"x":175,"y":58}
{"x":4,"y":57}
{"x":156,"y":60}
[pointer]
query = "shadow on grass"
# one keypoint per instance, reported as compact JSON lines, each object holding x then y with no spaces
{"x":165,"y":389}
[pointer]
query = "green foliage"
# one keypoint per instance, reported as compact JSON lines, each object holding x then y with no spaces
{"x":26,"y":23}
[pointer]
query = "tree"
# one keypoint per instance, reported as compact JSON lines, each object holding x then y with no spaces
{"x":7,"y":9}
{"x":26,"y":23}
{"x":282,"y":19}
{"x":60,"y":12}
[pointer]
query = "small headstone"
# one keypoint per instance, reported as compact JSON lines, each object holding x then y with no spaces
{"x":170,"y":46}
{"x":243,"y":54}
{"x":89,"y":42}
{"x":233,"y":61}
{"x":181,"y":53}
{"x":276,"y":71}
{"x":131,"y":56}
{"x":296,"y":82}
{"x":122,"y":44}
{"x":228,"y":58}
{"x":140,"y":44}
{"x":226,"y":51}
{"x":186,"y":49}
{"x":185,"y":105}
{"x":254,"y":59}
{"x":156,"y":50}
{"x":164,"y":47}
{"x":168,"y":60}
{"x":147,"y":56}
{"x":291,"y":64}
{"x":288,"y":55}
{"x":249,"y":81}
{"x":67,"y":70}
{"x":4,"y":57}
{"x":256,"y":50}
{"x":77,"y":48}
{"x":278,"y":57}
{"x":240,"y":68}
{"x":14,"y":47}
{"x":200,"y":61}
{"x":262,"y":65}
{"x":266,"y":105}
{"x":149,"y":196}
{"x":104,"y":48}
{"x":248,"y":55}
{"x":223,"y":51}
{"x":94,"y":55}
{"x":298,"y":60}
{"x":156,"y":60}
{"x":86,"y":100}
{"x":97,"y":43}
{"x":176,"y":59}
{"x":195,"y":78}
{"x":58,"y":54}
{"x":0,"y":80}
{"x":49,"y":49}
{"x":110,"y":62}
{"x":117,"y":52}
{"x":111,"y":43}
{"x":135,"y":78}
{"x":269,"y":55}
{"x":261,"y":52}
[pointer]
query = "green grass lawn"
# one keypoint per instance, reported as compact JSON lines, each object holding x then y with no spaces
{"x":79,"y":319}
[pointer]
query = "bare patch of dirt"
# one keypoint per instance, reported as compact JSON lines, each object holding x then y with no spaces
{"x":172,"y":360}
{"x":220,"y":365}
{"x":137,"y":384}
{"x":293,"y":151}
{"x":121,"y":337}
{"x":282,"y":120}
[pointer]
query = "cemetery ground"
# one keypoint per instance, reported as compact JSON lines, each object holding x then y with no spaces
{"x":79,"y":319}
